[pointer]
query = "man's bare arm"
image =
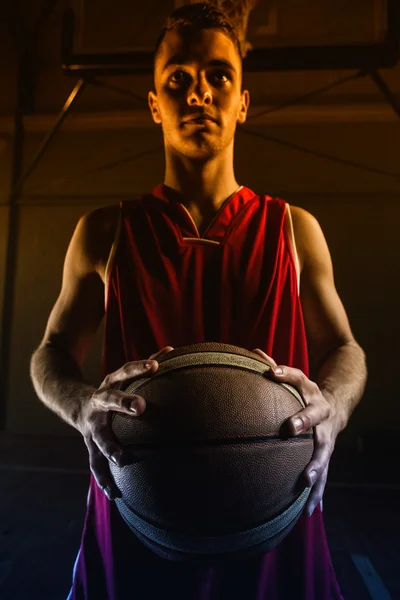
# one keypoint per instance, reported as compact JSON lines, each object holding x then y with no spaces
{"x":341,"y":372}
{"x":56,"y":366}
{"x":340,"y":361}
{"x":73,"y":322}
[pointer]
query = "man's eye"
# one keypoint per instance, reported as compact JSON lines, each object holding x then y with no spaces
{"x":220,"y":76}
{"x":178,"y":77}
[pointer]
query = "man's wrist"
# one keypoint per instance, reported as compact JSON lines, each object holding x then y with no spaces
{"x":338,"y":414}
{"x":80,"y":413}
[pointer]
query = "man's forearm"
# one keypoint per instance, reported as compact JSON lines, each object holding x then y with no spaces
{"x":59,"y":383}
{"x":342,"y":379}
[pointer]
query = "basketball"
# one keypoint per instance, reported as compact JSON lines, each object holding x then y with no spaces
{"x":213,"y":475}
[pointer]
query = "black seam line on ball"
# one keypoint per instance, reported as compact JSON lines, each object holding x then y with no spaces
{"x":160,"y":373}
{"x":232,"y":367}
{"x":247,"y":370}
{"x":166,"y":358}
{"x":220,"y":442}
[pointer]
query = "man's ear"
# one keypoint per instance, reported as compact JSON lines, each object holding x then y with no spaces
{"x":153,"y":105}
{"x":244,"y":105}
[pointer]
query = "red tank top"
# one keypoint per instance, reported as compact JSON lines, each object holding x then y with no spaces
{"x":168,"y":285}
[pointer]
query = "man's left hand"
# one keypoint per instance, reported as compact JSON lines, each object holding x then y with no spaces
{"x":320,"y":414}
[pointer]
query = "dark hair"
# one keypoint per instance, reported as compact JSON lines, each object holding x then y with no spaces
{"x":195,"y":17}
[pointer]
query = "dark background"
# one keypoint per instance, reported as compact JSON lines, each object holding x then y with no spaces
{"x":109,"y":149}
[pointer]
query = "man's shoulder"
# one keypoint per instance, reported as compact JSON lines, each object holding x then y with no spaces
{"x":310,"y":240}
{"x":305,"y":225}
{"x":302,"y":217}
{"x":98,"y":228}
{"x":102,"y":219}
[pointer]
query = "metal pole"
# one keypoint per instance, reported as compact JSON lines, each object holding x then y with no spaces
{"x":78,"y":89}
{"x":17,"y":182}
{"x":11,"y":255}
{"x":385,"y":90}
{"x":24,"y":103}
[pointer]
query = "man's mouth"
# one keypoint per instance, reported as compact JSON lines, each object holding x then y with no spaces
{"x":201,"y":119}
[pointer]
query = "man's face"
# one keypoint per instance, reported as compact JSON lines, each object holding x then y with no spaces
{"x":198,"y":75}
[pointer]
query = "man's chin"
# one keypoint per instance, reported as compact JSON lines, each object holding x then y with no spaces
{"x":200,"y":150}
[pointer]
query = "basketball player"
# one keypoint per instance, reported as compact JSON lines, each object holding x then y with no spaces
{"x":199,"y":258}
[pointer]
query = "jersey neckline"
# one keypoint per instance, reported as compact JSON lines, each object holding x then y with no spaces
{"x":218,"y":226}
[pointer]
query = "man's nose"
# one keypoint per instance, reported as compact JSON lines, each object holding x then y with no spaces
{"x":200,"y":93}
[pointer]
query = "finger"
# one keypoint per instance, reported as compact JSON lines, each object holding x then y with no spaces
{"x":131,"y":370}
{"x":293,"y":376}
{"x":110,"y":399}
{"x":317,"y":493}
{"x":99,"y":467}
{"x":310,"y":416}
{"x":265,"y":356}
{"x":161,"y":352}
{"x":104,"y":403}
{"x":106,"y":442}
{"x":319,"y":463}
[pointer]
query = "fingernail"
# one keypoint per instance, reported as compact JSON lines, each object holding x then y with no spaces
{"x":298,"y":424}
{"x":107,"y":492}
{"x":136,"y":405}
{"x":115,"y":457}
{"x":312,"y":477}
{"x":278,"y":370}
{"x":120,"y":459}
{"x":147,"y":365}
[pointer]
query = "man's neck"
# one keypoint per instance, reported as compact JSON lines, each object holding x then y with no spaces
{"x":203,"y":187}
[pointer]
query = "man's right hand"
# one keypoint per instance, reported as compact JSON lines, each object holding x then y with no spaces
{"x":95,"y":422}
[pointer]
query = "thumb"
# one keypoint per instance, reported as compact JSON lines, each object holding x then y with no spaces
{"x":160,"y":353}
{"x":265,"y":356}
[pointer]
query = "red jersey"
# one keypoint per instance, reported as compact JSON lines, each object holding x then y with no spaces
{"x":169,"y":286}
